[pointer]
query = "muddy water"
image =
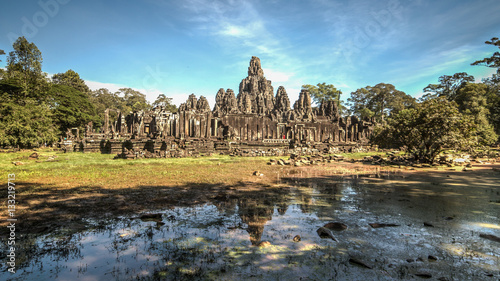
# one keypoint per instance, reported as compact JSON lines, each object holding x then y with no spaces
{"x":219,"y":240}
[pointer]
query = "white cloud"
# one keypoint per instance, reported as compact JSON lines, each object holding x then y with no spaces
{"x":94,"y":85}
{"x":276,"y":76}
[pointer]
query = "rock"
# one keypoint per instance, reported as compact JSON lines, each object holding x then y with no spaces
{"x":379,"y":225}
{"x":425,"y":275}
{"x":258,"y":174}
{"x":428,"y":224}
{"x":326,"y":233}
{"x":33,"y":155}
{"x":337,"y":226}
{"x":264,"y":244}
{"x":151,"y":217}
{"x":281,"y":162}
{"x":297,"y":238}
{"x":18,"y":163}
{"x":432,"y":258}
{"x":490,"y":237}
{"x":359,"y":262}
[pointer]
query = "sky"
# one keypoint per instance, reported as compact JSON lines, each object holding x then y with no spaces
{"x":197,"y":46}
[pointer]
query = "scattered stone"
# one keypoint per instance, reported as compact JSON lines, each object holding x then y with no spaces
{"x":490,"y":237}
{"x":297,"y":238}
{"x":359,"y":263}
{"x":33,"y":156}
{"x":379,"y":225}
{"x":18,"y":163}
{"x":337,"y":226}
{"x":432,"y":258}
{"x":425,"y":275}
{"x":410,"y":260}
{"x":326,"y":233}
{"x":448,"y":218}
{"x":151,"y":217}
{"x":428,"y":224}
{"x":258,"y":174}
{"x":264,"y":244}
{"x":443,"y":279}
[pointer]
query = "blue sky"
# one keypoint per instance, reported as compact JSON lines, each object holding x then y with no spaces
{"x":196,"y":46}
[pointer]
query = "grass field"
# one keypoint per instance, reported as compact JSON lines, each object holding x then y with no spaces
{"x":75,"y":186}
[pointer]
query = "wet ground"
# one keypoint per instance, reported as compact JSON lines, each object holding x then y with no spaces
{"x":434,"y":226}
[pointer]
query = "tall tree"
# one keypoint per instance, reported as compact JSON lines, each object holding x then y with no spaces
{"x":472,"y":100}
{"x":448,"y":85}
{"x":29,"y":125}
{"x":379,"y":101}
{"x":71,"y":108}
{"x":24,"y":67}
{"x":426,"y":129}
{"x":325,"y":92}
{"x":166,"y":102}
{"x":134,"y":100}
{"x":103,"y":99}
{"x":494,"y":60}
{"x":493,"y":83}
{"x":72,"y":79}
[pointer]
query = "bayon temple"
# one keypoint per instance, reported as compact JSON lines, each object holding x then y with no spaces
{"x":254,"y":122}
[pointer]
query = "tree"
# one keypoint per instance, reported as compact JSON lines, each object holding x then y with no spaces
{"x":133,"y":100}
{"x":472,"y":100}
{"x":72,"y":79}
{"x":71,"y":108}
{"x":426,"y":129}
{"x":448,"y":85}
{"x":24,"y":68}
{"x":325,"y":92}
{"x":379,"y":101}
{"x":2,"y":52}
{"x":162,"y":100}
{"x":26,"y":126}
{"x":103,"y":99}
{"x":494,"y":60}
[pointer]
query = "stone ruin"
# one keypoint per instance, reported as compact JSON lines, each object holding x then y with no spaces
{"x":255,"y":122}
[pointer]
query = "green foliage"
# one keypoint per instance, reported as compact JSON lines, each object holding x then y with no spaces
{"x":427,"y":129}
{"x":472,"y":100}
{"x":72,"y":79}
{"x":494,"y":60}
{"x":325,"y":92}
{"x":493,"y":83}
{"x":26,"y":126}
{"x":162,"y":100}
{"x":379,"y":101}
{"x":448,"y":86}
{"x":133,"y":100}
{"x":24,"y":68}
{"x":71,"y":108}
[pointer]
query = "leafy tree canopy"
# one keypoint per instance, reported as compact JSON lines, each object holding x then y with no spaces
{"x":24,"y":68}
{"x":426,"y":129}
{"x":165,"y":102}
{"x":72,"y":79}
{"x":26,"y":126}
{"x":448,"y":85}
{"x":494,"y":60}
{"x":472,"y":100}
{"x":379,"y":101}
{"x":326,"y":92}
{"x":71,"y":108}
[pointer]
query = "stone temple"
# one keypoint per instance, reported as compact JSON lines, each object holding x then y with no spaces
{"x":254,"y":122}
